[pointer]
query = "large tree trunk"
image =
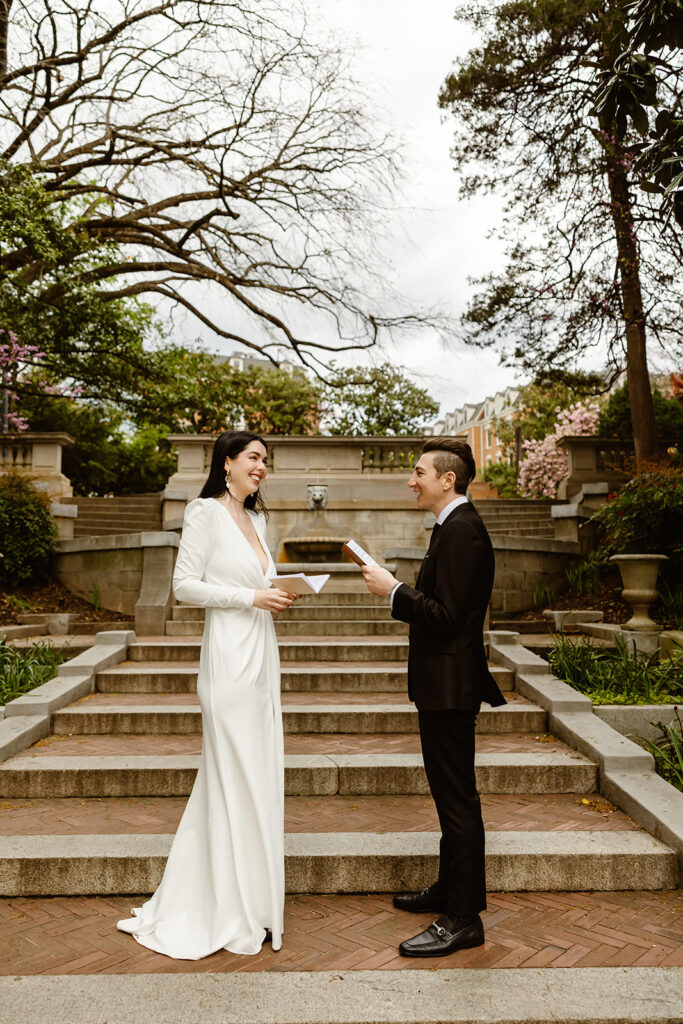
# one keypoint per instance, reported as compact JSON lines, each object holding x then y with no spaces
{"x":639,"y":391}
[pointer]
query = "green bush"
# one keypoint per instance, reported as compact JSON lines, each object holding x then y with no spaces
{"x":27,"y":530}
{"x":584,"y":577}
{"x":644,"y":517}
{"x":615,"y":418}
{"x":667,"y":751}
{"x":23,"y":670}
{"x":619,"y":676}
{"x":501,"y":475}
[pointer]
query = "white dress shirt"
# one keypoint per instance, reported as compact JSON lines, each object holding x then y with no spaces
{"x":441,"y":518}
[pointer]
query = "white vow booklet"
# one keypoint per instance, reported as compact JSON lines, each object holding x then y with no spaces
{"x":357,"y":554}
{"x":300,"y":583}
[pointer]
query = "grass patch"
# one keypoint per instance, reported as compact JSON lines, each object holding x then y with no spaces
{"x":21,"y":670}
{"x":619,"y":676}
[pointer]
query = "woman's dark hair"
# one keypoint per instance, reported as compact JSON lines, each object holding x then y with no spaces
{"x":228,"y":446}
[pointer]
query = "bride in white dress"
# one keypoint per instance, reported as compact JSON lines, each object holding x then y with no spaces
{"x":223,"y":885}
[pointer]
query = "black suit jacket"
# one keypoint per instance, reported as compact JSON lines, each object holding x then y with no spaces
{"x":446,"y":609}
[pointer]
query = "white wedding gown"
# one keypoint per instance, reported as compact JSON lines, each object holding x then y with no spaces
{"x":223,"y":884}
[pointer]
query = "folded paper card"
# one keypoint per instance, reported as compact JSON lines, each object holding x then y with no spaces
{"x":300,"y":583}
{"x":357,"y":554}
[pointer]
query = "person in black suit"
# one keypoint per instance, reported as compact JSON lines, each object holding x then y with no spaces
{"x":448,"y":678}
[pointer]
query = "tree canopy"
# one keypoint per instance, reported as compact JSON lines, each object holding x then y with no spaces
{"x":590,"y":266}
{"x":209,"y":153}
{"x":381,"y":400}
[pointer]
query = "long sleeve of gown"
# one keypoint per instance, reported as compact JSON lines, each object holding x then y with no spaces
{"x":196,"y":545}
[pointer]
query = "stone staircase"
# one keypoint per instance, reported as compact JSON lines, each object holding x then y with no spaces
{"x":126,"y":514}
{"x":91,"y":810}
{"x":517,"y":517}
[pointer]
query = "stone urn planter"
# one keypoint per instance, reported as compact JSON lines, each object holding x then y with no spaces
{"x":639,"y":576}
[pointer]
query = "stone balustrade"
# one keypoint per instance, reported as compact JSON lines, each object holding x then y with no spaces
{"x":39,"y":456}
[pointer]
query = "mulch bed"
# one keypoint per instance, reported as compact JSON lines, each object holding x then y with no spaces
{"x":49,"y":596}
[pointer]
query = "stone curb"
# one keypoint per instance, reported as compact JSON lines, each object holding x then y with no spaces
{"x":54,"y":694}
{"x":603,"y":995}
{"x":650,"y":801}
{"x":634,"y":721}
{"x":627,"y":775}
{"x":20,"y":731}
{"x":21,"y":632}
{"x":75,"y":678}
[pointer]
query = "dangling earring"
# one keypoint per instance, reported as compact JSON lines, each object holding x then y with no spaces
{"x":228,"y":478}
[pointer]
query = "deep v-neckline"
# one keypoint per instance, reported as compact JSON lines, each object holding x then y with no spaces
{"x":246,"y":539}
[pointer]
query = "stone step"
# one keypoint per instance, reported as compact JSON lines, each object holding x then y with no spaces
{"x":326,"y":612}
{"x":85,"y":718}
{"x":26,"y":777}
{"x":304,"y":649}
{"x":306,"y":627}
{"x":344,"y":862}
{"x":355,"y":593}
{"x":342,"y":678}
{"x":128,"y":515}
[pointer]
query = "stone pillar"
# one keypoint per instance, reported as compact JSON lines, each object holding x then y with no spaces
{"x":156,"y":593}
{"x":38,"y":456}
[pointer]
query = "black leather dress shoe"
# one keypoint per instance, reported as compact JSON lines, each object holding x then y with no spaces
{"x":444,"y":936}
{"x":425,"y":902}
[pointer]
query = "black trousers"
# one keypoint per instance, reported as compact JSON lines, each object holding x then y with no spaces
{"x":447,"y":739}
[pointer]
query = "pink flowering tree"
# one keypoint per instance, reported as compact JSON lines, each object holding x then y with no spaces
{"x":545,"y":463}
{"x":20,"y":365}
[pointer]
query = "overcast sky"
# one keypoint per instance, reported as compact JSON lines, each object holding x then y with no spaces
{"x":408,"y":50}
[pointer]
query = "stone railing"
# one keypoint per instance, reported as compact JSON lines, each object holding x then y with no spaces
{"x":595,"y":460}
{"x":301,"y":453}
{"x":38,"y":456}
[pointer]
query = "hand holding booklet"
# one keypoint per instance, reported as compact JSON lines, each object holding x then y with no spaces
{"x":357,"y":554}
{"x":300,"y":583}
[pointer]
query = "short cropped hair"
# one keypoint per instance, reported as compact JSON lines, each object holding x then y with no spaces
{"x":453,"y":455}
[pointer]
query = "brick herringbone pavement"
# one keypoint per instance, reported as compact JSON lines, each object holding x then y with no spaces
{"x":77,"y":935}
{"x":110,"y":815}
{"x":302,"y":743}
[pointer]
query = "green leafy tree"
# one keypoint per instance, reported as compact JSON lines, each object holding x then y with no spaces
{"x":615,"y":418}
{"x":646,"y":47}
{"x":107,"y":455}
{"x":590,"y":264}
{"x":202,"y":393}
{"x":379,"y":401}
{"x":50,"y":295}
{"x":275,"y":401}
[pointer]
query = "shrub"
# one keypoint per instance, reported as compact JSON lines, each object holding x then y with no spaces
{"x":585,"y":577}
{"x":23,"y":670}
{"x":545,"y":464}
{"x":644,"y":517}
{"x":667,"y":751}
{"x":27,"y":530}
{"x":615,"y":418}
{"x":619,"y":676}
{"x":501,"y":475}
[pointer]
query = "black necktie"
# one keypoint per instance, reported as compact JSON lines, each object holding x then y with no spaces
{"x":435,"y":528}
